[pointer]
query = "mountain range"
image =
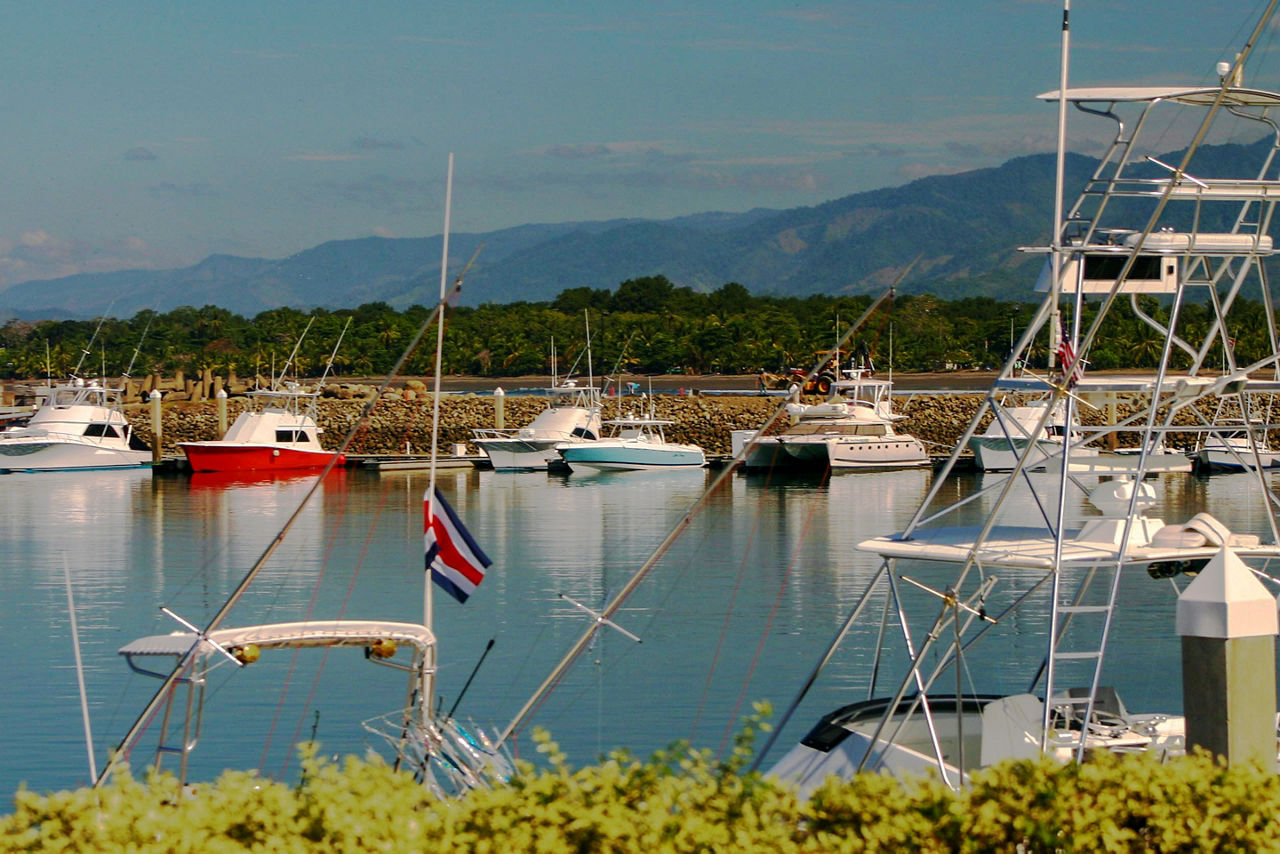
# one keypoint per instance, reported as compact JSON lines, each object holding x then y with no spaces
{"x":962,"y":228}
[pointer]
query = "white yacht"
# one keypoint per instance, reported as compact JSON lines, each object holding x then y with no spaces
{"x":852,"y":430}
{"x":572,"y":416}
{"x":77,"y":425}
{"x":1050,"y":550}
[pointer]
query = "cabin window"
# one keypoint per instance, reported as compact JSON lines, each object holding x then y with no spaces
{"x":584,"y":433}
{"x":1107,"y":268}
{"x":290,"y":436}
{"x":101,"y":429}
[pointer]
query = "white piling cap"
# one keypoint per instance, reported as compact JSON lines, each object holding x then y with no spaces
{"x":1227,"y":601}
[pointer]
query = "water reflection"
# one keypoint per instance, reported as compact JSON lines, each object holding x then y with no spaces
{"x":737,"y":610}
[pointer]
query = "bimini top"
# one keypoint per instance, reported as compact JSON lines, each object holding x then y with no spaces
{"x":1197,"y":95}
{"x":317,"y":633}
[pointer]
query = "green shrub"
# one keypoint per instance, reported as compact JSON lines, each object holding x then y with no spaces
{"x":679,"y":800}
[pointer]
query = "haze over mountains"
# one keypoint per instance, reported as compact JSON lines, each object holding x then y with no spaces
{"x":964,"y":228}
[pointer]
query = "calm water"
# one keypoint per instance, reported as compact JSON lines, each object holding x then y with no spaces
{"x":737,"y":611}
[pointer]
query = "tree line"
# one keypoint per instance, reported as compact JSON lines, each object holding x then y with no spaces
{"x":644,"y":326}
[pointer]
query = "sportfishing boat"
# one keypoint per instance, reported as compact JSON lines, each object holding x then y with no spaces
{"x":278,"y":433}
{"x":635,"y":443}
{"x":1001,"y":445}
{"x":1015,"y":429}
{"x":77,"y":425}
{"x":956,"y":589}
{"x":851,"y":430}
{"x":572,"y":417}
{"x":447,"y":756}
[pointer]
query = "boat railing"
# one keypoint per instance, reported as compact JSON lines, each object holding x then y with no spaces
{"x":66,"y":436}
{"x":494,"y":432}
{"x":585,"y":397}
{"x":80,"y":394}
{"x":288,"y":398}
{"x":875,"y":395}
{"x":637,"y":427}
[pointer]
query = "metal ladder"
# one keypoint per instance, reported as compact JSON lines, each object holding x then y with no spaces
{"x":1080,"y":627}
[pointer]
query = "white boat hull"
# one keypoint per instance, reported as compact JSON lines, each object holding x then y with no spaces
{"x":1221,"y":459}
{"x":519,"y":454}
{"x":992,"y":729}
{"x":995,"y":453}
{"x":873,"y":453}
{"x":57,"y":454}
{"x":882,"y":453}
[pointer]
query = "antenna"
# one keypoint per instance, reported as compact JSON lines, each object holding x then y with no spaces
{"x":84,"y":696}
{"x":591,"y":380}
{"x":128,"y":372}
{"x":88,"y":347}
{"x":284,"y":371}
{"x":333,"y":355}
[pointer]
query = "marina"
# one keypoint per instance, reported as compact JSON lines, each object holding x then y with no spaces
{"x":1049,"y":575}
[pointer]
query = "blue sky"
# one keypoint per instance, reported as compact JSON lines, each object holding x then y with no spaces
{"x":150,"y":135}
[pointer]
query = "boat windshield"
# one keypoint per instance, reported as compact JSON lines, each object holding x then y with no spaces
{"x":803,"y":429}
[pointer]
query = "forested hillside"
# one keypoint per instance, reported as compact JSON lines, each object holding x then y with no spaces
{"x":645,"y":326}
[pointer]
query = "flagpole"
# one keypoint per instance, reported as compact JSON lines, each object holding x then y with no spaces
{"x":427,"y":597}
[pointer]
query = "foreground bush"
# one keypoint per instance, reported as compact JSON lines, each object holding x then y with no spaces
{"x":678,"y":801}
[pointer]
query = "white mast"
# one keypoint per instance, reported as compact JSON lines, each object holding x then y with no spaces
{"x":435,"y":407}
{"x":84,"y":696}
{"x":1055,"y":246}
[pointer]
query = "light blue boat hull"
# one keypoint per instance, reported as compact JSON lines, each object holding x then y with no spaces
{"x":631,"y":456}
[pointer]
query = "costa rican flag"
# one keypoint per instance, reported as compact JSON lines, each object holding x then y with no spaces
{"x":454,"y":560}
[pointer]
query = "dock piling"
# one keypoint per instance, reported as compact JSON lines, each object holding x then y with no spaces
{"x":1228,"y":623}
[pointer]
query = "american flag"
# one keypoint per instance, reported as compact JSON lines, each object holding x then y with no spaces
{"x":454,"y":560}
{"x":1072,"y":369}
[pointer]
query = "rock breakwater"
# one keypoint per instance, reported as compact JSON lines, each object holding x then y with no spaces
{"x":401,"y":421}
